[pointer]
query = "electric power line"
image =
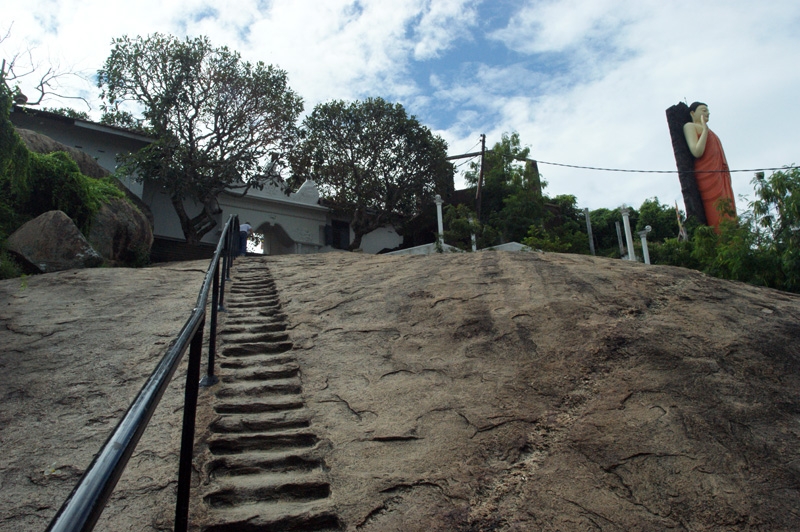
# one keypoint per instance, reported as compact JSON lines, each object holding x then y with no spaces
{"x":656,"y":171}
{"x":473,"y":146}
{"x":465,"y":162}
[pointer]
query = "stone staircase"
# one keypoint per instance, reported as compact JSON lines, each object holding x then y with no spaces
{"x":266,"y":471}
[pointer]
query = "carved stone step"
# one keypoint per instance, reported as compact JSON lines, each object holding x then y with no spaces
{"x":257,"y":462}
{"x":316,"y":516}
{"x":259,"y":389}
{"x":256,"y":348}
{"x":244,"y":406}
{"x":250,"y":323}
{"x":261,"y":421}
{"x":257,"y":361}
{"x":250,"y":336}
{"x":266,"y":373}
{"x":239,"y":443}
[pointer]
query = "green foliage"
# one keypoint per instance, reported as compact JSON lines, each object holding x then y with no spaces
{"x":9,"y":269}
{"x":761,"y":246}
{"x":673,"y":252}
{"x":563,"y":230}
{"x":14,"y":161}
{"x":511,"y":194}
{"x":461,"y":223}
{"x":221,"y":123}
{"x":373,"y":161}
{"x":513,"y":207}
{"x":32,"y":184}
{"x":68,"y":112}
{"x":56,"y":183}
{"x":663,"y":220}
{"x":604,"y":230}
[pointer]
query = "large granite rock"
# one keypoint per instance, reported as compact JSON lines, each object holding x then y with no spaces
{"x":51,"y":242}
{"x":39,"y":143}
{"x":122,"y":231}
{"x":453,"y":392}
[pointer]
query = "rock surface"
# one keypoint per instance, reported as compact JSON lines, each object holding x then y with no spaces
{"x":520,"y":391}
{"x":460,"y":392}
{"x":77,"y":346}
{"x":134,"y":230}
{"x":120,"y":233}
{"x":36,"y":142}
{"x":51,"y":242}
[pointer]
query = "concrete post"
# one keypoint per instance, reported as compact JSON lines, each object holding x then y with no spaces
{"x":643,"y":236}
{"x":439,"y":202}
{"x":589,"y":229}
{"x":619,"y":239}
{"x":472,"y":236}
{"x":628,"y":236}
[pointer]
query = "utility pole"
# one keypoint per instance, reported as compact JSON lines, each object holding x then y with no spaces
{"x":480,"y":178}
{"x":482,"y":153}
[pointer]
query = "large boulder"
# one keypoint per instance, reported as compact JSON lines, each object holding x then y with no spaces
{"x":39,"y":143}
{"x":120,"y":233}
{"x":51,"y":242}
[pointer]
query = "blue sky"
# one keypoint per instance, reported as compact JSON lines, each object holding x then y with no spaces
{"x":584,"y":82}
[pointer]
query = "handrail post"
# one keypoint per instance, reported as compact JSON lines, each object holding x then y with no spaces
{"x":210,"y":379}
{"x":226,"y":267}
{"x":187,"y":435}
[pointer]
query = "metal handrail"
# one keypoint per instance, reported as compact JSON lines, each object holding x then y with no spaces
{"x":84,"y":505}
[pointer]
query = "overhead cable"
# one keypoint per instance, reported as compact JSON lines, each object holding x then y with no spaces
{"x":655,"y":171}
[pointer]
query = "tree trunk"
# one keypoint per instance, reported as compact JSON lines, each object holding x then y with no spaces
{"x":186,"y":222}
{"x":193,"y":228}
{"x":362,"y":224}
{"x":356,"y":243}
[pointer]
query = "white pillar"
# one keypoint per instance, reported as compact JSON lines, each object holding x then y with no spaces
{"x":472,"y":237}
{"x":589,"y":229}
{"x":439,"y":202}
{"x":643,"y":236}
{"x":628,"y":236}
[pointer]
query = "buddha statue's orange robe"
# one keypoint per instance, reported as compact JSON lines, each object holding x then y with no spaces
{"x":713,"y":179}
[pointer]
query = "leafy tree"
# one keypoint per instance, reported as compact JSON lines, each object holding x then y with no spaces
{"x":604,"y":230}
{"x":372,"y":161}
{"x":511,"y":194}
{"x":461,"y":223}
{"x":777,"y":212}
{"x":761,"y":246}
{"x":563,"y":229}
{"x":220,"y":123}
{"x":663,"y":220}
{"x":68,"y":112}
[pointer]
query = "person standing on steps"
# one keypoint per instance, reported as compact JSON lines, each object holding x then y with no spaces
{"x":710,"y":166}
{"x":245,"y":230}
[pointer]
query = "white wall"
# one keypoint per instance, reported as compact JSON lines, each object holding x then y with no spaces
{"x":383,"y":238}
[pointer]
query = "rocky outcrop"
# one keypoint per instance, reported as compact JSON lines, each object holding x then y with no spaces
{"x":453,"y":392}
{"x":39,"y":143}
{"x":120,"y":233}
{"x":51,"y":242}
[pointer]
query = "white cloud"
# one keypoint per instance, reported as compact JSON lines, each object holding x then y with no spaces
{"x":563,"y":25}
{"x":734,"y":60}
{"x":441,"y":23}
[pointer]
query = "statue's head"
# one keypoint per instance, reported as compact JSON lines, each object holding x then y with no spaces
{"x":699,"y":107}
